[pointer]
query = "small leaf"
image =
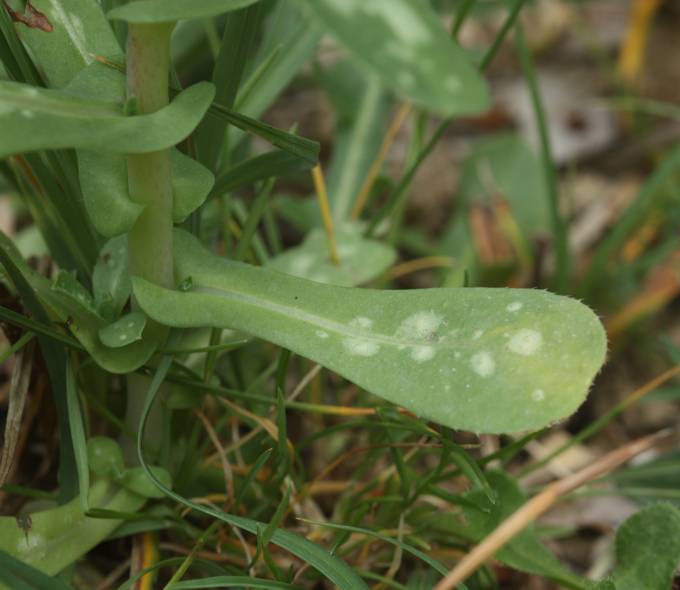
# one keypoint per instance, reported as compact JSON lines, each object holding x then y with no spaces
{"x":136,"y":480}
{"x":485,"y":360}
{"x":67,"y":285}
{"x":110,"y":279}
{"x":124,"y":331}
{"x":81,"y":318}
{"x":34,"y":119}
{"x":103,"y":178}
{"x":191,"y":183}
{"x":361,"y":260}
{"x":165,"y":11}
{"x":404,"y":43}
{"x":648,"y":549}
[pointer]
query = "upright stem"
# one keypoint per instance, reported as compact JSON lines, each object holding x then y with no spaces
{"x":150,"y":252}
{"x":149,"y":180}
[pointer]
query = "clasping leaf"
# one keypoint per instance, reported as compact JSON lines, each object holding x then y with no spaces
{"x":485,"y":360}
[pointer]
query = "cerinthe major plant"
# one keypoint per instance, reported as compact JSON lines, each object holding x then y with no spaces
{"x":120,"y":165}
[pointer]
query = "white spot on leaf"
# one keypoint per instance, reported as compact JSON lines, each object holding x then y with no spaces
{"x":514,"y":306}
{"x":478,"y":334}
{"x":420,"y":354}
{"x":483,"y":364}
{"x":422,"y":325}
{"x":538,"y":395}
{"x":526,"y":342}
{"x":361,"y":346}
{"x":321,"y":334}
{"x":362,"y":323}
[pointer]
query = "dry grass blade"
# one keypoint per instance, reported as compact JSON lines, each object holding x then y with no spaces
{"x":21,"y":378}
{"x":519,"y":520}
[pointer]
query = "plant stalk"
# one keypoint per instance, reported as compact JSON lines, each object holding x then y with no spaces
{"x":150,"y":253}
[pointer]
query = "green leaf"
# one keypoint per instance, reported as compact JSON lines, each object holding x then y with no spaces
{"x":75,"y":418}
{"x":136,"y":480}
{"x":34,"y":119}
{"x":525,"y":552}
{"x":277,"y":163}
{"x":275,"y":67}
{"x":81,"y":318}
{"x":16,"y":575}
{"x":165,"y":11}
{"x":67,"y":285}
{"x":103,"y":178}
{"x":648,"y":549}
{"x":361,"y":260}
{"x":191,"y":183}
{"x":404,"y":43}
{"x":80,"y":33}
{"x":124,"y":331}
{"x":485,"y":360}
{"x":59,"y":536}
{"x":240,"y":32}
{"x":296,"y":145}
{"x":110,"y":280}
{"x":504,"y":166}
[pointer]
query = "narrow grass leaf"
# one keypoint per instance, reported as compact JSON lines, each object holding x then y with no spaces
{"x":16,"y":575}
{"x":78,"y":438}
{"x":298,"y":146}
{"x":277,"y":163}
{"x":332,"y":567}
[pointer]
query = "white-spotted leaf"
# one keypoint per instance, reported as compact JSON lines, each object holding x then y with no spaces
{"x":404,"y":43}
{"x":361,"y":260}
{"x":485,"y":360}
{"x":123,"y":331}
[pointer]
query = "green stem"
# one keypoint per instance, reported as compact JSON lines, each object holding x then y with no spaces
{"x":149,"y":180}
{"x":150,"y":252}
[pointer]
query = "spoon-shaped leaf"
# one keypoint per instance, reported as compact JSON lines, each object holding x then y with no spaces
{"x":485,"y":360}
{"x":167,"y":11}
{"x":361,"y":260}
{"x":404,"y":43}
{"x":33,"y":119}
